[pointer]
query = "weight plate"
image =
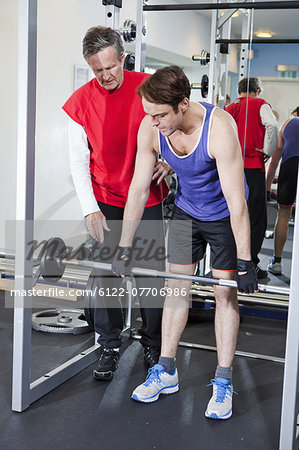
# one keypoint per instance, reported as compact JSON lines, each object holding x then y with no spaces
{"x":129,"y":30}
{"x":129,"y":62}
{"x":63,"y":321}
{"x":204,"y":86}
{"x":51,"y":265}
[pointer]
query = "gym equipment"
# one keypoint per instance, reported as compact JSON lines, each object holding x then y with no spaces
{"x":129,"y":30}
{"x":25,"y":391}
{"x":53,"y":258}
{"x":236,"y":5}
{"x":63,"y":321}
{"x":203,"y":86}
{"x":203,"y":57}
{"x":129,"y":62}
{"x":51,"y":265}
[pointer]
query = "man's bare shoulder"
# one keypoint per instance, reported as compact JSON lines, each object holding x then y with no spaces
{"x":148,"y":134}
{"x":224,"y":134}
{"x":222,"y":121}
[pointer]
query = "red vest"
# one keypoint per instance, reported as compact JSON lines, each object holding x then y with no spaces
{"x":255,"y":130}
{"x":111,"y":121}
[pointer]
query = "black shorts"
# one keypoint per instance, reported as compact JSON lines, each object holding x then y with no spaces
{"x":188,"y":239}
{"x":287,"y":182}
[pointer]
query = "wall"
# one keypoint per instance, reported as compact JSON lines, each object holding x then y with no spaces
{"x":268,"y":56}
{"x":265,"y":61}
{"x":61,"y":27}
{"x":283,"y":95}
{"x":8,"y":109}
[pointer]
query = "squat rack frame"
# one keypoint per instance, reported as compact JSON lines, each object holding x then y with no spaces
{"x":23,"y":392}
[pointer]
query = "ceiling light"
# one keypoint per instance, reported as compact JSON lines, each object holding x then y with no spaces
{"x":264,"y":34}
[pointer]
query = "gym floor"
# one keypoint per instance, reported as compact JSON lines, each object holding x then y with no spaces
{"x":100,"y":415}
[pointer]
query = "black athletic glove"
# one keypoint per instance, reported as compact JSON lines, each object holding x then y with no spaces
{"x":121,"y":263}
{"x":247,"y":282}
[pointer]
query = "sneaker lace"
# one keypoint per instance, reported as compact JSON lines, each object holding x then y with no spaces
{"x":221,"y":390}
{"x":153,"y":375}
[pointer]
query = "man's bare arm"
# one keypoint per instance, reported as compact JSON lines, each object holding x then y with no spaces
{"x":139,"y":189}
{"x":225,"y":148}
{"x":275,"y":158}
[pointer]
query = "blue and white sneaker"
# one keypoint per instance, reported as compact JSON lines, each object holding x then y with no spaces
{"x":157,"y":382}
{"x":274,"y":267}
{"x":220,"y":405}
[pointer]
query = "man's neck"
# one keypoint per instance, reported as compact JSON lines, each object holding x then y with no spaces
{"x":250,"y":94}
{"x":192,"y":118}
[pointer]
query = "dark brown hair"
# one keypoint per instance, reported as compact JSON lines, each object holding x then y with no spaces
{"x":168,"y":85}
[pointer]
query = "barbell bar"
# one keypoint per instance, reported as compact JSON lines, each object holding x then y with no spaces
{"x":53,"y":262}
{"x":177,"y":276}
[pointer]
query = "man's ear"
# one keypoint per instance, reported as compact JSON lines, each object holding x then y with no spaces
{"x":184,"y":104}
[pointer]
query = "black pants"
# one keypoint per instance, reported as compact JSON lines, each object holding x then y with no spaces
{"x":108,"y":317}
{"x":257,"y":208}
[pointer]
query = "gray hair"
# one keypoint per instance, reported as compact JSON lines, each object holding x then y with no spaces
{"x":251,"y":84}
{"x":98,"y":38}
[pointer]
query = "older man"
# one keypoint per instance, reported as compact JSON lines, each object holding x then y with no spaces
{"x":105,"y":115}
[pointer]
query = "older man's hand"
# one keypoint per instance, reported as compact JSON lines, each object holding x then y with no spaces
{"x":96,"y":224}
{"x":161,"y":170}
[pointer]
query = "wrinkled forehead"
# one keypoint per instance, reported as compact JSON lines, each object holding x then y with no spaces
{"x":104,"y":58}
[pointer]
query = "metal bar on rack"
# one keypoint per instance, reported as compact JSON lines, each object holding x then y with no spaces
{"x":229,"y":14}
{"x":27,"y":50}
{"x":64,"y":372}
{"x":225,"y":31}
{"x":237,"y":352}
{"x":214,"y":52}
{"x":237,"y":5}
{"x":112,"y":13}
{"x":140,"y":43}
{"x":290,"y":397}
{"x":244,"y":47}
{"x":257,"y":41}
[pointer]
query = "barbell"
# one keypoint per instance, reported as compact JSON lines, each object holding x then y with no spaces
{"x":203,"y":86}
{"x":203,"y":57}
{"x":128,"y":30}
{"x":129,"y":62}
{"x":54,"y":260}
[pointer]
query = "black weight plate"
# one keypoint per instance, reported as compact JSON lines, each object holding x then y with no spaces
{"x":204,"y":86}
{"x":129,"y":63}
{"x":51,"y":266}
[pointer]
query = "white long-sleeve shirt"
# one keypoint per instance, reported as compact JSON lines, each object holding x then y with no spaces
{"x":79,"y":162}
{"x":269,"y":121}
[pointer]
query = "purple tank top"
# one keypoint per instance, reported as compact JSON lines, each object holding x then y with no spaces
{"x":291,"y":140}
{"x":199,"y":192}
